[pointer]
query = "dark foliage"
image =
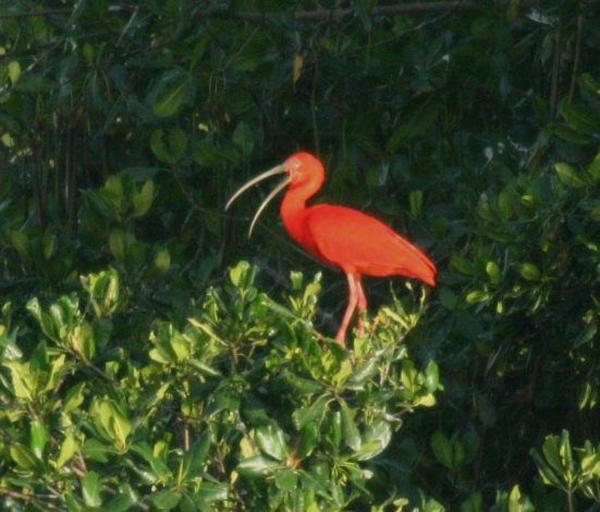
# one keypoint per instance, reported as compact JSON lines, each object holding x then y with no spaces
{"x":143,"y":367}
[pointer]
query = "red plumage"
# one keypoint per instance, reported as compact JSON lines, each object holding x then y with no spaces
{"x":343,"y":237}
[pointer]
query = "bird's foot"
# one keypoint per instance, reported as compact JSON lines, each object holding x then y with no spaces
{"x":340,"y":338}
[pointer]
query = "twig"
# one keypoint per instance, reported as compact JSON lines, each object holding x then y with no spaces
{"x":39,"y":12}
{"x":412,"y":8}
{"x":338,"y":14}
{"x":128,"y":25}
{"x":63,"y":10}
{"x":555,"y":71}
{"x":577,"y":53}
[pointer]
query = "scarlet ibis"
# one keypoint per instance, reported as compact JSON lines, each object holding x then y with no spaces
{"x":342,"y":237}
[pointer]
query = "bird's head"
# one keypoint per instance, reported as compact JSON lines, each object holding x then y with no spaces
{"x":302,"y":170}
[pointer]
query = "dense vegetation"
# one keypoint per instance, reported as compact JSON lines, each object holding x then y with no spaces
{"x":151,"y":358}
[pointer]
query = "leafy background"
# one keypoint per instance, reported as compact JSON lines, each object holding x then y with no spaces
{"x":143,"y":366}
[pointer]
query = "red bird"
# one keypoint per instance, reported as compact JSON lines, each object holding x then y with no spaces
{"x":343,"y":237}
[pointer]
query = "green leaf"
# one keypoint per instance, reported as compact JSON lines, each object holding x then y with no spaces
{"x":474,"y":503}
{"x":166,"y":500}
{"x":244,"y":138}
{"x":204,"y":368}
{"x":568,"y":176}
{"x":96,"y":451}
{"x":82,"y":341}
{"x":530,"y":272}
{"x":170,"y":93}
{"x":476,"y":296}
{"x":39,"y":438}
{"x":286,"y":479}
{"x":376,"y":439}
{"x":118,"y":244}
{"x":566,"y":455}
{"x":313,"y":413}
{"x":239,"y":274}
{"x":518,"y":502}
{"x":123,"y":501}
{"x":442,"y":449}
{"x":20,"y":242}
{"x":432,"y":376}
{"x":300,"y":384}
{"x":309,"y":437}
{"x":594,"y":168}
{"x":69,"y":447}
{"x":110,"y":419}
{"x":14,"y":71}
{"x":416,"y":202}
{"x":271,"y":441}
{"x":74,"y":398}
{"x":24,"y":457}
{"x":448,"y":298}
{"x":364,"y":371}
{"x":582,"y":119}
{"x":113,"y":188}
{"x":420,"y":118}
{"x":547,"y":472}
{"x":211,"y":492}
{"x":409,"y":376}
{"x":551,"y":450}
{"x":169,"y":103}
{"x":142,"y":201}
{"x":493,"y":271}
{"x":104,"y":291}
{"x":90,"y":487}
{"x":195,"y":459}
{"x":158,"y":466}
{"x":24,"y":382}
{"x":351,"y":433}
{"x":257,"y":466}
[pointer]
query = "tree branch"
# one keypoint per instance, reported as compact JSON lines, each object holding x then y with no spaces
{"x":59,"y":10}
{"x":38,"y":12}
{"x":337,"y":14}
{"x":577,"y":53}
{"x":412,"y":8}
{"x":555,"y":70}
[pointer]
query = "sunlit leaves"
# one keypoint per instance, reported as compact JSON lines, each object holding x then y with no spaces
{"x":90,"y":486}
{"x":569,"y":469}
{"x":69,"y":447}
{"x":14,"y":71}
{"x":104,"y":291}
{"x":111,"y":420}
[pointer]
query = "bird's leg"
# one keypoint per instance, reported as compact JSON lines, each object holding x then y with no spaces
{"x":362,"y":305}
{"x":340,"y":337}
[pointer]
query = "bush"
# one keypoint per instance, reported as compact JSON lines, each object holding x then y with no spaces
{"x":244,"y":406}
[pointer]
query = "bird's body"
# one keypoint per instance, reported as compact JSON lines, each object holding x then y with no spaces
{"x":346,"y":238}
{"x":358,"y":243}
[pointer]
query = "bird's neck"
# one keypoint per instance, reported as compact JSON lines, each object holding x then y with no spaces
{"x":293,"y":208}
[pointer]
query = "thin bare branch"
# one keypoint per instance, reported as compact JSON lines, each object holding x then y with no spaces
{"x":555,"y":71}
{"x":37,"y":12}
{"x":338,"y":14}
{"x":577,"y":54}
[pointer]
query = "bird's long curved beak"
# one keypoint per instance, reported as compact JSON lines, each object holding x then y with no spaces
{"x":279,"y":169}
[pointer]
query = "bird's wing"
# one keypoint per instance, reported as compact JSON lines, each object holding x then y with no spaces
{"x":358,"y":242}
